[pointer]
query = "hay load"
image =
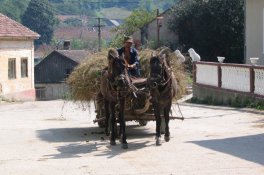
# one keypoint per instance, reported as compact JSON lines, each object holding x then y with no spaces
{"x":84,"y":81}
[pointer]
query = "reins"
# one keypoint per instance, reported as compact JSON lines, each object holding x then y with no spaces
{"x":170,"y":75}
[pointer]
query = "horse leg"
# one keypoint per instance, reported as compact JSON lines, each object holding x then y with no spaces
{"x":107,"y":115}
{"x":167,"y":119}
{"x":158,"y":123}
{"x":113,"y":122}
{"x":122,"y":124}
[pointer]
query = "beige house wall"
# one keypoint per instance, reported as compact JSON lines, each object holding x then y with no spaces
{"x":255,"y":30}
{"x":166,"y":36}
{"x":19,"y":86}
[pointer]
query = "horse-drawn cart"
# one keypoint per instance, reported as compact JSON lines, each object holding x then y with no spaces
{"x":119,"y":98}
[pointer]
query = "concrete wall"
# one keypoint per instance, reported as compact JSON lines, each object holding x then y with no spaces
{"x":255,"y":30}
{"x":18,"y":88}
{"x":218,"y":96}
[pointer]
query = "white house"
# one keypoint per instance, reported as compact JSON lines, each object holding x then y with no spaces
{"x":16,"y":60}
{"x":254,"y":28}
{"x":157,"y":30}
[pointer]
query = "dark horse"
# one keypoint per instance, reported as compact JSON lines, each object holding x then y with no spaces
{"x":114,"y":88}
{"x":163,"y":88}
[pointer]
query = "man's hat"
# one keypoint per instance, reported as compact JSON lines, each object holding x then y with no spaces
{"x":128,"y":39}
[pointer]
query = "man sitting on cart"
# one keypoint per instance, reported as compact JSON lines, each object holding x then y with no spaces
{"x":130,"y":56}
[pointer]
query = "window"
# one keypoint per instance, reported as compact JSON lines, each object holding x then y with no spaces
{"x":11,"y":68}
{"x":24,"y":67}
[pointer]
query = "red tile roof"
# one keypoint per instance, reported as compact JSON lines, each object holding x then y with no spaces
{"x":12,"y":29}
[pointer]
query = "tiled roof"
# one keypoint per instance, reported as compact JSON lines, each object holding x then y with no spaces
{"x":12,"y":29}
{"x":75,"y":55}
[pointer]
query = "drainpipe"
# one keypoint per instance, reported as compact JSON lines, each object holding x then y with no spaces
{"x":245,"y":28}
{"x":32,"y":64}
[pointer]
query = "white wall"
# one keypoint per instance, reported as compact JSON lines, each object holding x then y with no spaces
{"x":255,"y":30}
{"x":18,"y":50}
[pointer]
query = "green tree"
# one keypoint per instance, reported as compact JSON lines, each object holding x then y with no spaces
{"x":213,"y":28}
{"x":40,"y":18}
{"x":13,"y":9}
{"x":137,"y":19}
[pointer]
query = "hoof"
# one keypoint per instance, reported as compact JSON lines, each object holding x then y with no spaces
{"x":120,"y":138}
{"x":167,"y":138}
{"x":158,"y":142}
{"x":124,"y":145}
{"x":112,"y":142}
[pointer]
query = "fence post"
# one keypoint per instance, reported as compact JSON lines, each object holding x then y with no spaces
{"x":219,"y":72}
{"x":252,"y":79}
{"x":194,"y":72}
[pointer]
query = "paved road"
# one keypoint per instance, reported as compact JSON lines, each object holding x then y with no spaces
{"x":46,"y":138}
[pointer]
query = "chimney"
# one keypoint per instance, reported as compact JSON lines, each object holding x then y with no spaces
{"x":66,"y":45}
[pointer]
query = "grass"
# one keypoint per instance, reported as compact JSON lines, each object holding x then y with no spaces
{"x":234,"y":102}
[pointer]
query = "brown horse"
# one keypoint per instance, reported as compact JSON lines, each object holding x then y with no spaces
{"x":114,"y":88}
{"x":163,"y":87}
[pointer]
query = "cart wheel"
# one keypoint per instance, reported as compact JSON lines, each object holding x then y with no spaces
{"x":143,"y":122}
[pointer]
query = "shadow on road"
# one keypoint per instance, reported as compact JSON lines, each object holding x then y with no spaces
{"x":80,"y":141}
{"x":70,"y":134}
{"x":246,"y":147}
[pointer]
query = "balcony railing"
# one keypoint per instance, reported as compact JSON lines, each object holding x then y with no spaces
{"x":234,"y":77}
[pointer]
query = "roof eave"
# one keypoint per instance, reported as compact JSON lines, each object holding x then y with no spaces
{"x":20,"y":37}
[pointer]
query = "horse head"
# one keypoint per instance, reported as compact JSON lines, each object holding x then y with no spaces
{"x":156,"y":67}
{"x":116,"y":68}
{"x":159,"y":64}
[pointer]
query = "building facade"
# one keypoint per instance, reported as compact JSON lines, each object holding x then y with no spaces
{"x":157,"y":31}
{"x":16,"y":60}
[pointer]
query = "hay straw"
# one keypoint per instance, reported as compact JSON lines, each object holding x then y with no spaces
{"x":84,"y":81}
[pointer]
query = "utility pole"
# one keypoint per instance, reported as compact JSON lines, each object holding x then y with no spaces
{"x":159,"y":25}
{"x":99,"y":32}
